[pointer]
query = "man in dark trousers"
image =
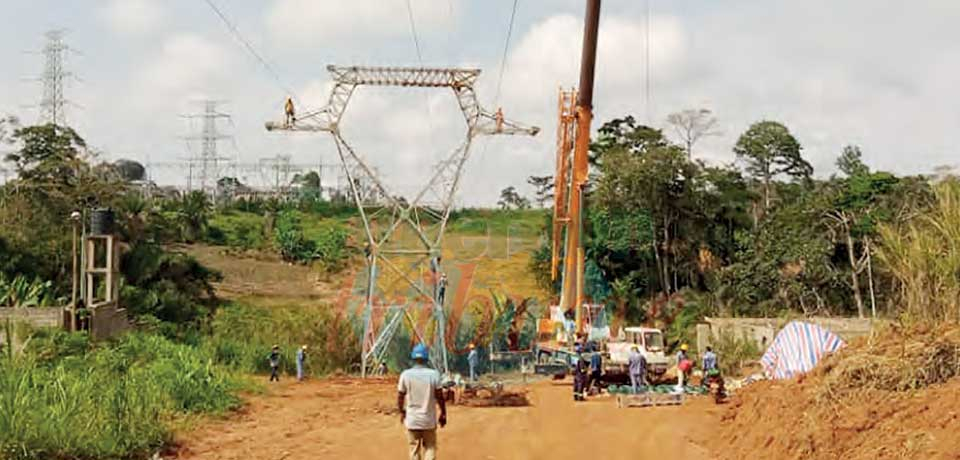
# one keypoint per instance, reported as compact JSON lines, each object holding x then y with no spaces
{"x":596,"y":370}
{"x":274,"y":359}
{"x":579,"y":373}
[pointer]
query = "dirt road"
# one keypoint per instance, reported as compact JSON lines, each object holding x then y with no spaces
{"x":349,"y":419}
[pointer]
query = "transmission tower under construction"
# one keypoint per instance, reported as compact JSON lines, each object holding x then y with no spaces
{"x":54,"y":77}
{"x":208,"y":160}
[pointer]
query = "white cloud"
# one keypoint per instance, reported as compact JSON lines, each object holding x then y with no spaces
{"x":187,"y":65}
{"x":304,"y":22}
{"x":548,"y":56}
{"x":133,"y":17}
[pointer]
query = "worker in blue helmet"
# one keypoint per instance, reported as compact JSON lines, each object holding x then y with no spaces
{"x":418,"y":395}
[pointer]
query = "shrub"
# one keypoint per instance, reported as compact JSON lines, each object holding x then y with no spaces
{"x":242,"y":335}
{"x":112,"y":402}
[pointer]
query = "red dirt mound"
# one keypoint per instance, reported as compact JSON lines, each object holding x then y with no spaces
{"x":904,"y":404}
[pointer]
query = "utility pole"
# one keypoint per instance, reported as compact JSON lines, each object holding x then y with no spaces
{"x":572,"y":294}
{"x":209,"y":138}
{"x":54,"y":75}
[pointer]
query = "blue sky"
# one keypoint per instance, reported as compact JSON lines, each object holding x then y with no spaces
{"x":878,"y":73}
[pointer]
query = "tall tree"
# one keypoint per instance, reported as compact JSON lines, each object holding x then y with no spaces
{"x":543,"y":189}
{"x":769,"y":150}
{"x":511,"y":199}
{"x":691,"y":125}
{"x":858,"y":202}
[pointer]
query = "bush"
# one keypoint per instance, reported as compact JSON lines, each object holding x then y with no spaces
{"x":242,"y":335}
{"x":113,"y":402}
{"x":289,"y":239}
{"x":734,"y":352}
{"x":169,"y":286}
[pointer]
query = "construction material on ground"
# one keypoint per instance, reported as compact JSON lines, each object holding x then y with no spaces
{"x":797,"y":349}
{"x":491,"y":395}
{"x":649,"y":399}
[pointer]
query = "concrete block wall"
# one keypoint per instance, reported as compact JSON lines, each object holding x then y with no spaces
{"x":762,"y":331}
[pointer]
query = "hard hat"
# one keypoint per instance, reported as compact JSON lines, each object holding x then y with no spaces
{"x":304,"y":347}
{"x":419,"y":352}
{"x":684,"y":347}
{"x":471,"y":346}
{"x":276,"y":347}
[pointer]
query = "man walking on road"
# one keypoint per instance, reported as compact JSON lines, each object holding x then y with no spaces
{"x":473,"y":359}
{"x":418,"y":394}
{"x":274,"y":359}
{"x":638,"y":369}
{"x":301,"y":358}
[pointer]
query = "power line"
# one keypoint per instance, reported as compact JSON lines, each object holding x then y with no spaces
{"x":251,"y":49}
{"x":506,"y":48}
{"x":413,"y":31}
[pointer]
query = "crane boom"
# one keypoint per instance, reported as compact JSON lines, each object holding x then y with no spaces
{"x":571,"y":295}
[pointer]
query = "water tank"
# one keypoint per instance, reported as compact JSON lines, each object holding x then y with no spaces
{"x":101,"y":222}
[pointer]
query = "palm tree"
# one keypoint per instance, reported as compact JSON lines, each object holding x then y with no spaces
{"x":193,"y":214}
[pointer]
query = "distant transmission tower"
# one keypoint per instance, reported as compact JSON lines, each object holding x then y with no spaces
{"x":54,"y":75}
{"x":208,"y":160}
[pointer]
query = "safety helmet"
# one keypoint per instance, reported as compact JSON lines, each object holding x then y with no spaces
{"x":419,"y":352}
{"x":471,"y":346}
{"x":684,"y":347}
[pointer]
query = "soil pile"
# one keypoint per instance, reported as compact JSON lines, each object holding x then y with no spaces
{"x":893,"y":395}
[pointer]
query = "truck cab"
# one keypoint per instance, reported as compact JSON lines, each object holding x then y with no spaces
{"x":649,"y":342}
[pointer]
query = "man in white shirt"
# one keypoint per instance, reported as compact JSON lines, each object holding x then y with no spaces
{"x":418,"y":394}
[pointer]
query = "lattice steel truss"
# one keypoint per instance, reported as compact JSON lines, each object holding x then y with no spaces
{"x":385,"y":217}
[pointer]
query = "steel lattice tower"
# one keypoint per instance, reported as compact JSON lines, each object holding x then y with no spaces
{"x":210,"y":136}
{"x":385,"y":215}
{"x":54,"y":76}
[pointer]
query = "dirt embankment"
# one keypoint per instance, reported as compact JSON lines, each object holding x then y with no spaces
{"x":893,"y":396}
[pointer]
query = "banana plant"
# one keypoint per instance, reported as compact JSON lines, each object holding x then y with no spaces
{"x":21,"y":292}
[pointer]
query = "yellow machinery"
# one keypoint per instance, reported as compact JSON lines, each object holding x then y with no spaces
{"x":571,"y":176}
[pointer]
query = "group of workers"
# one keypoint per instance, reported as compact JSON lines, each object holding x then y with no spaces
{"x":587,"y":373}
{"x":274,"y":360}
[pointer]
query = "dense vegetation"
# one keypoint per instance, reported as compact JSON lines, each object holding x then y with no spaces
{"x":762,"y":236}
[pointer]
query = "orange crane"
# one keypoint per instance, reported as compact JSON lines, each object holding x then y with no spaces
{"x":571,"y":176}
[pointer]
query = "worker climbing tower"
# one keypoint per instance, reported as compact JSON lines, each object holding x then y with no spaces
{"x":404,"y":235}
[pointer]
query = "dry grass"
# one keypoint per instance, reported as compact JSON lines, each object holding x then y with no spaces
{"x":897,"y":360}
{"x":924,"y":258}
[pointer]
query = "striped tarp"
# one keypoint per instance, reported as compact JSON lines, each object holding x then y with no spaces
{"x":797,"y":349}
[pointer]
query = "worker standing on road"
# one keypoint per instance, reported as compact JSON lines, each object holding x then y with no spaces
{"x":274,"y":359}
{"x":637,"y":365}
{"x":579,"y":373}
{"x":709,"y":365}
{"x":683,"y":365}
{"x":301,"y":358}
{"x":473,"y":359}
{"x":418,"y":394}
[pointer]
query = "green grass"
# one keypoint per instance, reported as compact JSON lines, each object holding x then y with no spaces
{"x":65,"y":399}
{"x":515,"y":223}
{"x":242,"y":336}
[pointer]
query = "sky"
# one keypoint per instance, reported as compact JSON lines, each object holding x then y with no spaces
{"x":876,"y":73}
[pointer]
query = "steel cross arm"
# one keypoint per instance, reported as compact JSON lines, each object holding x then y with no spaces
{"x":424,"y":77}
{"x":489,"y":124}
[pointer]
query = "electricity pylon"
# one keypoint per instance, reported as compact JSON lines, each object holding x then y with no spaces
{"x":382,"y":222}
